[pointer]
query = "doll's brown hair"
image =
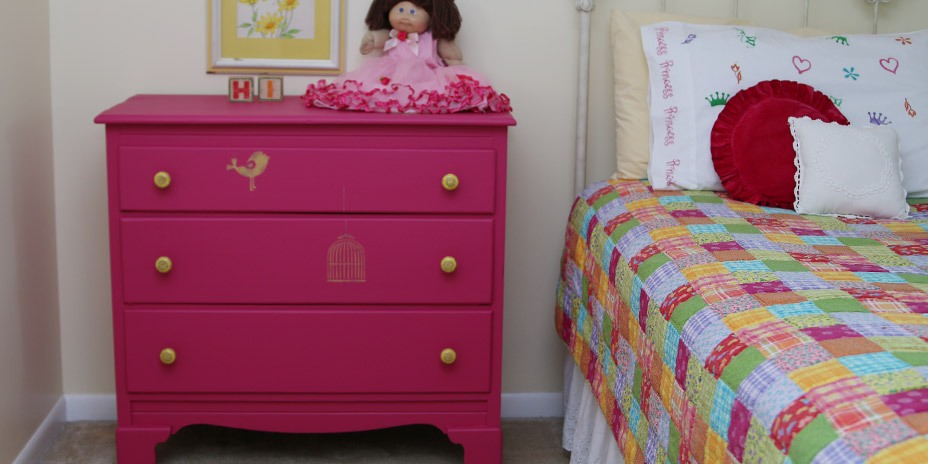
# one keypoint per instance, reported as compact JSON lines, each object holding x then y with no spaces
{"x":445,"y":17}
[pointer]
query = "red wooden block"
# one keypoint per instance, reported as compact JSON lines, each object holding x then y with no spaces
{"x":241,"y":89}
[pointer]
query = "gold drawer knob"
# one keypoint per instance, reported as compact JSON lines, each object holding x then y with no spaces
{"x":448,"y":356}
{"x":162,"y":179}
{"x":168,"y":356}
{"x":450,"y":182}
{"x":449,"y":264}
{"x":163,"y":264}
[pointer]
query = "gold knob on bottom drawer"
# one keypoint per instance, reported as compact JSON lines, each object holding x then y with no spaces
{"x":449,"y":264}
{"x":163,"y":264}
{"x":168,"y":356}
{"x":162,"y":179}
{"x":450,"y":182}
{"x":448,"y":356}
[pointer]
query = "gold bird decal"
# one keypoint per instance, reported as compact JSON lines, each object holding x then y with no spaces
{"x":255,"y":165}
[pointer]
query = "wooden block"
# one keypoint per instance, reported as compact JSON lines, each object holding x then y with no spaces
{"x":271,"y":89}
{"x":241,"y":89}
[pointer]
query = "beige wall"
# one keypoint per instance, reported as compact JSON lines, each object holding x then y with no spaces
{"x":526,"y":47}
{"x":30,"y":353}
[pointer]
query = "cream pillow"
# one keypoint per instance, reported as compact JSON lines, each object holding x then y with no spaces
{"x":847,"y":170}
{"x":632,"y":128}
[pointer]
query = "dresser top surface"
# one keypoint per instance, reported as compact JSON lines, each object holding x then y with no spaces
{"x":217,"y":109}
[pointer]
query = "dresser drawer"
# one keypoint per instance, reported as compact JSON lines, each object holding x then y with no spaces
{"x":254,"y":259}
{"x":351,"y":351}
{"x":306,"y":180}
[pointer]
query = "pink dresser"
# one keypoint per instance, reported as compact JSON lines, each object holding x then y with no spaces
{"x":288,"y":269}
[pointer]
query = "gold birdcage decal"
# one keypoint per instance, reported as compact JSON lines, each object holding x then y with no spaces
{"x":346,"y":260}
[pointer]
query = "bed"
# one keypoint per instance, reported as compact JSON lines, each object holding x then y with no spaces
{"x":701,"y":328}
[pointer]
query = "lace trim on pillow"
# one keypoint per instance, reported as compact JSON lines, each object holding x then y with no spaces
{"x":883,"y":185}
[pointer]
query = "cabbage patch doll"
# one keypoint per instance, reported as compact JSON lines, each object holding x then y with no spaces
{"x":419,"y":71}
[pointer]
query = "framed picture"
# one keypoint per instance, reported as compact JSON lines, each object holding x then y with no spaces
{"x":276,"y":36}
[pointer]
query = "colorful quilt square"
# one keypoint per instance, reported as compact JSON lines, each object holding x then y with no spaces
{"x":908,"y":402}
{"x":736,"y":305}
{"x":889,"y":383}
{"x":821,"y":240}
{"x":840,"y":392}
{"x":912,"y":451}
{"x":795,"y":309}
{"x":765,"y":287}
{"x":820,"y":374}
{"x":902,"y":343}
{"x":779,"y":298}
{"x":771,"y":337}
{"x":872,"y":363}
{"x":869,"y":441}
{"x":745,"y":266}
{"x":811,"y":283}
{"x":776,"y":398}
{"x":756,"y":384}
{"x":740,"y":320}
{"x":918,"y":422}
{"x":883,"y":277}
{"x":750,"y":277}
{"x":703,"y":239}
{"x":732,"y":255}
{"x":802,"y":355}
{"x":830,"y":332}
{"x":851,"y":346}
{"x":722,"y":246}
{"x":836,"y":452}
{"x":755,"y":242}
{"x":771,"y":255}
{"x":812,"y":320}
{"x":840,"y":305}
{"x":859,"y":414}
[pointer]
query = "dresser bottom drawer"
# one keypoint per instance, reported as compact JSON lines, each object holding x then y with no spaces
{"x":319,"y":351}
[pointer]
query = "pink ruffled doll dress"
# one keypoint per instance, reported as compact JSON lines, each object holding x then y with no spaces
{"x":409,"y":77}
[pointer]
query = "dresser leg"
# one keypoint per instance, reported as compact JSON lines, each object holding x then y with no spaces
{"x":136,"y":445}
{"x":481,"y":446}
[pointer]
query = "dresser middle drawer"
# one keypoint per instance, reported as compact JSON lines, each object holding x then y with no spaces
{"x":322,"y":180}
{"x":307,"y":260}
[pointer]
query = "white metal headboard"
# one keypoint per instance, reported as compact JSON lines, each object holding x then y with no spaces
{"x":585,"y":7}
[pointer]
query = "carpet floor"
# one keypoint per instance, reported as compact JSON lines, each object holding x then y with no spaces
{"x":525,"y":441}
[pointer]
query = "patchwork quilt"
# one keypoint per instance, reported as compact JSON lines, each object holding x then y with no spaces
{"x":712,"y":330}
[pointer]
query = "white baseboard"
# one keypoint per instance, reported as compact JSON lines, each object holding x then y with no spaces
{"x":514,"y":405}
{"x":91,"y":407}
{"x":529,"y":405}
{"x":44,"y":436}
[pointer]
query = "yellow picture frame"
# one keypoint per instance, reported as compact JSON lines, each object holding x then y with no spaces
{"x":263,"y":36}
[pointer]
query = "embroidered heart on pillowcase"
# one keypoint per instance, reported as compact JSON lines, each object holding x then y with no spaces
{"x":801,"y":64}
{"x":890,"y":64}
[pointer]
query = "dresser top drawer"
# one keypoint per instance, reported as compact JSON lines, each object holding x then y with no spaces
{"x":216,"y":109}
{"x":258,"y":177}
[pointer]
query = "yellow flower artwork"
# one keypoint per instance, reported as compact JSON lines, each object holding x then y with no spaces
{"x":276,"y":19}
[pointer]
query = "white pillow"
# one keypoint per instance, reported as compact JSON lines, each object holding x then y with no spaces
{"x":694,"y":69}
{"x":847,"y":170}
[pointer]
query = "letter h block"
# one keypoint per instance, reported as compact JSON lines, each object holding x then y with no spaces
{"x":241,"y":89}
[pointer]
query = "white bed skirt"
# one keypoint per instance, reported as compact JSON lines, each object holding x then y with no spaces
{"x":587,"y":435}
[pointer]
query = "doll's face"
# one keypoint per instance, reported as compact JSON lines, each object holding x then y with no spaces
{"x":409,"y":17}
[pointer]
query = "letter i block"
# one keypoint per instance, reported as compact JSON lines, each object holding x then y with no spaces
{"x":241,"y":89}
{"x":271,"y":89}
